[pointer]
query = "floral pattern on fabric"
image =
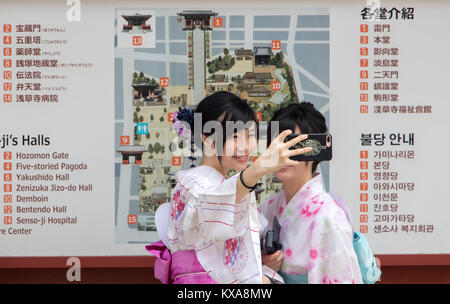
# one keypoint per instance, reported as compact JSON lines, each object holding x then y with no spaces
{"x":316,"y":236}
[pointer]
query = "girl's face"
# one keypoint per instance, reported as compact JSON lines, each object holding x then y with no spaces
{"x":294,"y":172}
{"x":238,"y":148}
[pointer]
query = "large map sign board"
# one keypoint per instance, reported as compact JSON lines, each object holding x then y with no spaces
{"x":87,"y":149}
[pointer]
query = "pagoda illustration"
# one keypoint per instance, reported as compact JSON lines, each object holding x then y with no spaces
{"x":136,"y":23}
{"x":198,"y":24}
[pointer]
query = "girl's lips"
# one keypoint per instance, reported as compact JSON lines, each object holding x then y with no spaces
{"x":242,"y":158}
{"x":285,"y":168}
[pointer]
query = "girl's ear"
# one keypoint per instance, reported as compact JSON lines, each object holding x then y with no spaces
{"x":209,"y":144}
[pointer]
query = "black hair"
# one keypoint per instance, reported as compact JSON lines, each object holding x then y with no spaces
{"x":304,"y":115}
{"x":224,"y":107}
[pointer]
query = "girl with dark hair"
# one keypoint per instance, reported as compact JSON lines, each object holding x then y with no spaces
{"x":213,"y":231}
{"x":316,"y":235}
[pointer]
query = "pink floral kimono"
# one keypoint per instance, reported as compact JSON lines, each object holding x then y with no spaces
{"x":316,"y":235}
{"x":212,"y":239}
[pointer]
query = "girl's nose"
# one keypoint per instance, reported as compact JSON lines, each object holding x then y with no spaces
{"x":244,"y":146}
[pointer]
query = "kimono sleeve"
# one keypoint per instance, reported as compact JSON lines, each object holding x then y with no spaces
{"x":332,"y":257}
{"x":219,"y":216}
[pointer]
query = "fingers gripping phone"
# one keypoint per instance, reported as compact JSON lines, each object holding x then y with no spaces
{"x":271,"y":242}
{"x":321,"y":145}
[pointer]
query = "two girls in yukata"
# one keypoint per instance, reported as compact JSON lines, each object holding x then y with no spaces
{"x":214,"y":225}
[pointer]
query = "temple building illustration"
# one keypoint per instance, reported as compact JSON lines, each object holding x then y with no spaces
{"x":144,"y":93}
{"x":251,"y":78}
{"x":198,"y":25}
{"x":131,"y":150}
{"x":262,"y":55}
{"x":243,"y":54}
{"x":136,"y":23}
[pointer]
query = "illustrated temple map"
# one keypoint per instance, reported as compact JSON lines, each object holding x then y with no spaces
{"x":171,"y":58}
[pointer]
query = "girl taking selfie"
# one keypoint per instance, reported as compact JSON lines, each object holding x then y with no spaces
{"x":213,"y":230}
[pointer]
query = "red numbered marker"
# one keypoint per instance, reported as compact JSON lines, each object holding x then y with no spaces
{"x":176,"y":160}
{"x":7,"y":155}
{"x":363,"y":197}
{"x":7,"y":220}
{"x":7,"y":188}
{"x":7,"y":28}
{"x":7,"y":209}
{"x":7,"y":51}
{"x":218,"y":22}
{"x":364,"y":208}
{"x":7,"y":74}
{"x":137,"y":40}
{"x":364,"y":165}
{"x":363,"y":186}
{"x":7,"y":86}
{"x":7,"y":63}
{"x":363,"y":228}
{"x":7,"y":98}
{"x":170,"y":116}
{"x":363,"y":218}
{"x":7,"y":198}
{"x":7,"y":166}
{"x":276,"y":85}
{"x":364,"y":154}
{"x":132,"y":219}
{"x":7,"y":177}
{"x":363,"y":176}
{"x":124,"y":140}
{"x":164,"y":81}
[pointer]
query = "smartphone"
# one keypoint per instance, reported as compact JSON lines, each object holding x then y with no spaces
{"x":271,"y":243}
{"x":321,"y":145}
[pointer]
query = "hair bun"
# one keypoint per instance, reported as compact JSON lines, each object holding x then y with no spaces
{"x":186,"y":115}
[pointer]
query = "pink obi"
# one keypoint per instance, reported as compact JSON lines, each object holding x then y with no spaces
{"x":182,"y":267}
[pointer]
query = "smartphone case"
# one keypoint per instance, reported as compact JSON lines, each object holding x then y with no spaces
{"x":321,"y":147}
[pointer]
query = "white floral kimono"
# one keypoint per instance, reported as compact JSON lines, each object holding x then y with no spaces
{"x":316,"y":236}
{"x":225,"y":235}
